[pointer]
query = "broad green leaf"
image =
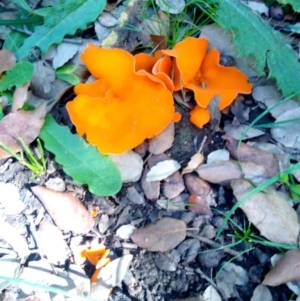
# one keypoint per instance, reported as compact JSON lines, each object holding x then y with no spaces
{"x":13,"y":41}
{"x":69,"y":78}
{"x":254,"y":37}
{"x":80,"y":160}
{"x":67,"y":17}
{"x":294,"y":3}
{"x":65,"y":73}
{"x":20,"y":74}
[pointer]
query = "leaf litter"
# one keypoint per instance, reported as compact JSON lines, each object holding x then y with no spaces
{"x":170,"y":186}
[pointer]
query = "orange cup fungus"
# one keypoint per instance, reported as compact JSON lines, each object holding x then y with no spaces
{"x":131,"y":99}
{"x":122,"y":107}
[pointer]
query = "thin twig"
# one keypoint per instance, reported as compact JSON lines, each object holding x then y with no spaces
{"x":213,"y":284}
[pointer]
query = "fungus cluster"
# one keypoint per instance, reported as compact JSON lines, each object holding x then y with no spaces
{"x":131,"y":99}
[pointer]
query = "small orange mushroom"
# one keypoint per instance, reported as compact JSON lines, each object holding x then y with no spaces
{"x":122,"y":107}
{"x":199,"y":116}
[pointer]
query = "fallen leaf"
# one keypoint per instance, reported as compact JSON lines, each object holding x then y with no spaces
{"x":110,"y":276}
{"x":222,"y":40}
{"x":130,"y":165}
{"x":163,"y":236}
{"x":10,"y":199}
{"x":42,"y":79}
{"x":163,"y":141}
{"x":269,"y":213}
{"x":66,"y":210}
{"x":261,"y":8}
{"x":162,"y":170}
{"x":19,"y":98}
{"x":223,"y":172}
{"x":215,"y":113}
{"x":219,"y":154}
{"x":199,"y":205}
{"x":194,"y":162}
{"x":49,"y":236}
{"x":288,"y":134}
{"x":12,"y":236}
{"x":151,"y":189}
{"x":237,"y":131}
{"x":285,"y":270}
{"x":22,"y":124}
{"x":197,"y":186}
{"x":134,"y":196}
{"x":7,"y":60}
{"x":64,"y":52}
{"x":261,"y":292}
{"x":173,"y":185}
{"x":171,"y":6}
{"x":246,"y":153}
{"x":211,"y":294}
{"x":270,"y":96}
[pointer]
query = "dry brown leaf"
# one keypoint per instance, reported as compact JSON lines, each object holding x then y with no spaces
{"x":151,"y":189}
{"x":66,"y":210}
{"x":7,"y":60}
{"x":198,"y":204}
{"x":246,"y":153}
{"x":162,"y":170}
{"x":19,"y":98}
{"x":130,"y":165}
{"x":42,"y":79}
{"x":215,"y":113}
{"x":194,"y":162}
{"x":173,"y":185}
{"x":22,"y":124}
{"x":165,"y":235}
{"x":163,"y":141}
{"x":286,"y":269}
{"x":269,"y":213}
{"x":48,"y":237}
{"x":197,"y":186}
{"x":223,"y":172}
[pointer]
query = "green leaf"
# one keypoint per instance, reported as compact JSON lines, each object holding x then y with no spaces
{"x":284,"y":178}
{"x":67,"y":16}
{"x":13,"y":41}
{"x":295,"y":188}
{"x":22,"y":4}
{"x":80,"y":160}
{"x":19,"y":75}
{"x":294,"y":3}
{"x":69,"y":78}
{"x":1,"y":113}
{"x":254,"y":37}
{"x":65,"y":73}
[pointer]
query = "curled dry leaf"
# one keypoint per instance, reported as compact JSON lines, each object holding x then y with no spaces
{"x":22,"y":124}
{"x":286,"y":269}
{"x":173,"y":185}
{"x":198,"y":204}
{"x":245,"y":153}
{"x":165,"y":235}
{"x":151,"y":189}
{"x":48,"y":237}
{"x":288,"y":135}
{"x":66,"y":210}
{"x":223,"y":172}
{"x":7,"y":60}
{"x":269,"y":213}
{"x":19,"y":98}
{"x":162,"y":170}
{"x":130,"y":165}
{"x":195,"y":161}
{"x":163,"y":141}
{"x":13,"y":238}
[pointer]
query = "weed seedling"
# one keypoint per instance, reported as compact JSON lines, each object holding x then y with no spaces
{"x":288,"y":180}
{"x":31,"y":161}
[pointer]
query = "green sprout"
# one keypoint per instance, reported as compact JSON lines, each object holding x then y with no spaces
{"x":30,"y":160}
{"x":288,"y":180}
